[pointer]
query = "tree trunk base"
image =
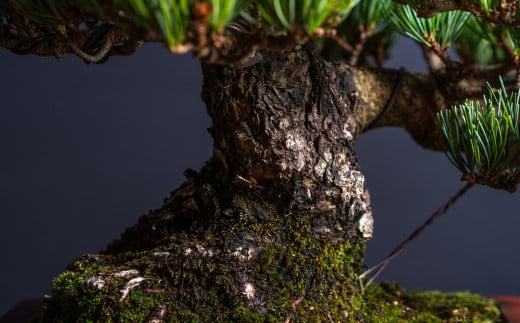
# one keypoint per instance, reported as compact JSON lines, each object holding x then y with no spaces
{"x":273,"y":228}
{"x":255,"y":265}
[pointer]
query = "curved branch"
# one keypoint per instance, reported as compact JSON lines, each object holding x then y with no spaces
{"x":504,"y":14}
{"x":102,"y":39}
{"x":414,"y":108}
{"x":93,"y":45}
{"x":419,"y":98}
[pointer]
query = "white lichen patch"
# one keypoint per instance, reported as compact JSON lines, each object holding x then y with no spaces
{"x":366,"y":224}
{"x":131,"y":284}
{"x":320,"y":167}
{"x":300,"y":161}
{"x":294,"y":141}
{"x":205,"y":252}
{"x":249,"y":237}
{"x":351,"y":178}
{"x":95,"y":281}
{"x":322,"y":230}
{"x":343,"y":175}
{"x":284,"y":123}
{"x":161,"y":253}
{"x":125,"y":273}
{"x":243,"y":253}
{"x":358,"y":181}
{"x":341,"y":158}
{"x":322,"y":164}
{"x":351,"y":182}
{"x":249,"y":291}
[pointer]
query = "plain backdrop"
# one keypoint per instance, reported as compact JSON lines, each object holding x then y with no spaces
{"x":87,"y":149}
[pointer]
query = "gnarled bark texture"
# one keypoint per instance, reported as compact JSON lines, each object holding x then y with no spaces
{"x":273,"y":227}
{"x":288,"y":132}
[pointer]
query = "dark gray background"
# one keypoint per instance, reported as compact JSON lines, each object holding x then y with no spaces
{"x":87,"y":149}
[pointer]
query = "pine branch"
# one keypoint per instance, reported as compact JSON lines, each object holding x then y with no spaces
{"x":500,"y":12}
{"x":183,"y":25}
{"x":484,"y":138}
{"x":85,"y":43}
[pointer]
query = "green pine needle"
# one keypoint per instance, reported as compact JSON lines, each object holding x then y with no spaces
{"x":444,"y":28}
{"x":476,"y":43}
{"x":170,"y":17}
{"x":486,"y":5}
{"x":308,"y":15}
{"x":372,"y":15}
{"x":225,"y":11}
{"x":483,"y":138}
{"x":42,"y":12}
{"x":513,"y":35}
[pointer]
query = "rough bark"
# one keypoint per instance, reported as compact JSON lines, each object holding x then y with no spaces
{"x":273,"y":227}
{"x":289,"y":133}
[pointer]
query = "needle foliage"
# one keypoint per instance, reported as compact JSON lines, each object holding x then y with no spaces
{"x":306,"y":14}
{"x":443,"y":28}
{"x":483,"y":137}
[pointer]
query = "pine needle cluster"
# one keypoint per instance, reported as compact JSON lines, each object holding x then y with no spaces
{"x":484,"y":138}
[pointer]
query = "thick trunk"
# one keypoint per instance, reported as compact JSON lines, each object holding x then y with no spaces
{"x":272,"y":229}
{"x":286,"y":127}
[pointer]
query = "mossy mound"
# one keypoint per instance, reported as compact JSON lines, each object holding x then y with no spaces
{"x":75,"y":299}
{"x":253,"y":264}
{"x":389,"y":303}
{"x":248,"y":263}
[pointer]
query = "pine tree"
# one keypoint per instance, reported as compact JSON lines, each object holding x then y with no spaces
{"x":273,"y":228}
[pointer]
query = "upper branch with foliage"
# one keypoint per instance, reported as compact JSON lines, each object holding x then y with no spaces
{"x":359,"y":32}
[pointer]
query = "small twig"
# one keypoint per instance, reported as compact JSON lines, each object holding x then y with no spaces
{"x":97,"y":57}
{"x":102,"y":43}
{"x":380,"y":266}
{"x":333,"y":34}
{"x":93,"y":45}
{"x":433,"y":60}
{"x":442,"y":53}
{"x":358,"y":47}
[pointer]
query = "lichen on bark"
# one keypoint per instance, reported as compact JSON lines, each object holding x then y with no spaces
{"x":273,"y":228}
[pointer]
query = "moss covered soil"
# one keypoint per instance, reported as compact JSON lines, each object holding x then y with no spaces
{"x":249,"y":262}
{"x":251,"y":270}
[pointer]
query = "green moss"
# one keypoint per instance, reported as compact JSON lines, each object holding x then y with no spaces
{"x":256,"y":265}
{"x":455,"y":307}
{"x":391,"y":303}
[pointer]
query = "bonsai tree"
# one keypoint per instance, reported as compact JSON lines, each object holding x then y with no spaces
{"x":273,"y":228}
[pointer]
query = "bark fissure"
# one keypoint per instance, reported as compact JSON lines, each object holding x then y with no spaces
{"x":303,"y":143}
